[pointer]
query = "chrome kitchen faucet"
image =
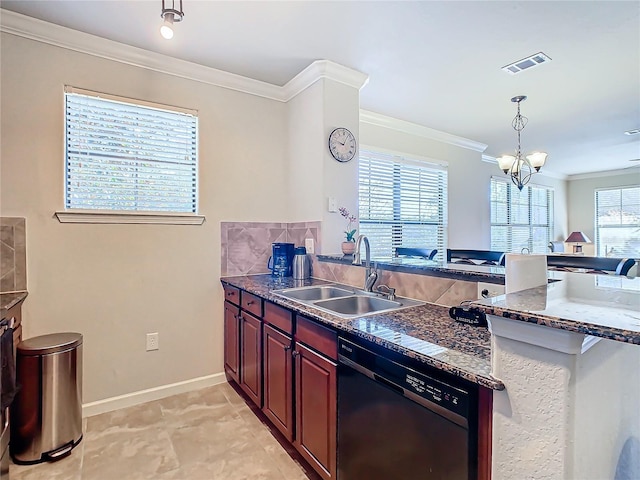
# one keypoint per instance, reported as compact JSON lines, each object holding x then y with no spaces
{"x":370,"y":274}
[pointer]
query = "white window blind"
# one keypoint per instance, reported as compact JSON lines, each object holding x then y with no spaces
{"x":122,"y":155}
{"x":618,"y":222}
{"x":520,"y":219}
{"x":402,"y":203}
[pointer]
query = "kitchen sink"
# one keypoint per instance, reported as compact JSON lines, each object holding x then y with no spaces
{"x":316,"y":293}
{"x":345,"y":301}
{"x":358,"y":304}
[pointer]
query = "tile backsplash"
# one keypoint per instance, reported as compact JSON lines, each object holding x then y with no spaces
{"x":246,"y":246}
{"x":13,"y":257}
{"x":442,"y":291}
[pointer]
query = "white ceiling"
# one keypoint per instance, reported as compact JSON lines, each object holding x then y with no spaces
{"x":434,"y":63}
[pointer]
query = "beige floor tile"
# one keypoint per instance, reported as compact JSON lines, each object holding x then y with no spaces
{"x":210,"y":434}
{"x":128,"y":454}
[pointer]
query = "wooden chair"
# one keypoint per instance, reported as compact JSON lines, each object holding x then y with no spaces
{"x":481,"y":257}
{"x":416,"y":252}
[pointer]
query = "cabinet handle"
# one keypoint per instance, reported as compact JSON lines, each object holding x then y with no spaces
{"x":230,"y":294}
{"x":287,"y":347}
{"x":250,"y":302}
{"x":295,"y":353}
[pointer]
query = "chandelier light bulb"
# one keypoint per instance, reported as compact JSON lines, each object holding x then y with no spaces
{"x":166,"y":31}
{"x":537,"y":160}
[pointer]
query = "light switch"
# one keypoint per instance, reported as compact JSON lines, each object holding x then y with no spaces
{"x":333,"y":206}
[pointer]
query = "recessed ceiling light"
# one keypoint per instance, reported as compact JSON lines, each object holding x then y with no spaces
{"x":635,"y":131}
{"x":526,"y":63}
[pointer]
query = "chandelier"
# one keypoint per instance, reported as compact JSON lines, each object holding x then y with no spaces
{"x":170,"y":15}
{"x":520,"y":168}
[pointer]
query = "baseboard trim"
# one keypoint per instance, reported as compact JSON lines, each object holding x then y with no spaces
{"x":150,"y":394}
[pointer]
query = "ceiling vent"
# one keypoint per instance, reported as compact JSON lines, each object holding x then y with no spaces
{"x":526,"y":63}
{"x":635,"y":131}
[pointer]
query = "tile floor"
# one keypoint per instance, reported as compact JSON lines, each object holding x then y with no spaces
{"x":202,"y":435}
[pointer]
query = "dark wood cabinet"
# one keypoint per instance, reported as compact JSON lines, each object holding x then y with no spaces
{"x":316,"y":352}
{"x":232,"y":341}
{"x":251,"y":356}
{"x":316,"y":410}
{"x":278,"y":380}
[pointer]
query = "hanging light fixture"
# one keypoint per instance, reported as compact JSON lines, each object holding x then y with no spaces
{"x":170,"y":15}
{"x":520,"y":168}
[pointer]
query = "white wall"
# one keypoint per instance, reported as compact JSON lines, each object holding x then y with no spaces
{"x":581,"y":198}
{"x":607,"y":411}
{"x":115,"y":283}
{"x":469,"y":184}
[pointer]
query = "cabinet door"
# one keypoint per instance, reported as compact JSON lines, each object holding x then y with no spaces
{"x":251,"y":357}
{"x":231,"y":341}
{"x":278,"y":380}
{"x":316,"y":406}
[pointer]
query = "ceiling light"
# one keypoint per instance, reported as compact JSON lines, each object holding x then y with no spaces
{"x":519,"y":167}
{"x":635,"y":131}
{"x":526,"y":63}
{"x":170,"y":15}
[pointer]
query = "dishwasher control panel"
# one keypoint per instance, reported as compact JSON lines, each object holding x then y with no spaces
{"x":404,"y":378}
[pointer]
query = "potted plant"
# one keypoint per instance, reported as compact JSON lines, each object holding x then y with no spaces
{"x":348,"y":246}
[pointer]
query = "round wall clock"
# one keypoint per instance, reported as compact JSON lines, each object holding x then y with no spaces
{"x":342,"y":144}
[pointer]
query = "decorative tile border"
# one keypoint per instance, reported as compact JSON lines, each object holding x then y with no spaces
{"x":246,"y":246}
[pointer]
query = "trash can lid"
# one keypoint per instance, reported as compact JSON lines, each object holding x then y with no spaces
{"x":52,"y":343}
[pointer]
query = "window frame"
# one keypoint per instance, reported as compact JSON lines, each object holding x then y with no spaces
{"x":549,"y":226}
{"x":596,"y":228}
{"x":105,"y":215}
{"x":396,"y":223}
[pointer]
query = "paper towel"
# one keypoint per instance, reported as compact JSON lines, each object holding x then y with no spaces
{"x":524,"y":271}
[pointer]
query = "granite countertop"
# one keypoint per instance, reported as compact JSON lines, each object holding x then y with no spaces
{"x":433,"y":268}
{"x":606,"y":306}
{"x":425,"y":333}
{"x":9,"y":300}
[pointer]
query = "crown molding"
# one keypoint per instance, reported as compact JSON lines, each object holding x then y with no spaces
{"x":606,"y":173}
{"x":324,"y":69}
{"x":379,"y":120}
{"x":63,"y":37}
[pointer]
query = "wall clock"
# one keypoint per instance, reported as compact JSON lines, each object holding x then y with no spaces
{"x":342,"y":144}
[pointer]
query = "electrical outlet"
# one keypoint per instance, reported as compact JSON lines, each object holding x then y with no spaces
{"x":308,"y":244}
{"x":153,"y":341}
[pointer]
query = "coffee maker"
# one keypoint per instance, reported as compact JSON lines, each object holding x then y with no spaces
{"x":281,"y":260}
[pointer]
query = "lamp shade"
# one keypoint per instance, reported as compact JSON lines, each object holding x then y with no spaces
{"x":577,"y":237}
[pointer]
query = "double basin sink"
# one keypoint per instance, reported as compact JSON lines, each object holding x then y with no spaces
{"x":345,"y":301}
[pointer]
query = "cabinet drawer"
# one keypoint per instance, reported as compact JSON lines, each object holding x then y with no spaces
{"x":320,"y":338}
{"x":251,"y":303}
{"x":232,"y":294}
{"x":278,"y":317}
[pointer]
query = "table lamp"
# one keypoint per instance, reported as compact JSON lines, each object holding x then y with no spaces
{"x":577,"y":238}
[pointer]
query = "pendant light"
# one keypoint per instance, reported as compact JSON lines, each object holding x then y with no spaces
{"x":170,"y":15}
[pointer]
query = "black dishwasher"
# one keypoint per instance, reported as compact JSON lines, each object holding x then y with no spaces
{"x":395,"y":422}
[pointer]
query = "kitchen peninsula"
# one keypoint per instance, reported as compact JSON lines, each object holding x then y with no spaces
{"x":561,"y":362}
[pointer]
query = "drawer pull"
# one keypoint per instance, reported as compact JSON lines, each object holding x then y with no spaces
{"x":250,"y":302}
{"x":231,"y":294}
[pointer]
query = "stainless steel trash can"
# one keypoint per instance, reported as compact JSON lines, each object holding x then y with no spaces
{"x":46,"y":415}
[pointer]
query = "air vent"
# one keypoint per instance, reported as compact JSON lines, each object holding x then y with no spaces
{"x":526,"y":63}
{"x":635,"y":131}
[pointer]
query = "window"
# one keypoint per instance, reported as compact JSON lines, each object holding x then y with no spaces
{"x":126,"y":156}
{"x":618,"y":222}
{"x":520,"y":219}
{"x":402,"y":202}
